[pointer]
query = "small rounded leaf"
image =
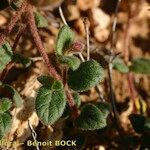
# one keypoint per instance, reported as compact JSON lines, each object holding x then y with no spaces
{"x":72,"y":61}
{"x":91,"y":118}
{"x":86,"y":76}
{"x":5,"y":55}
{"x":22,"y":60}
{"x":50,"y":104}
{"x":64,"y":39}
{"x":46,"y":80}
{"x":141,"y":65}
{"x":104,"y":107}
{"x":5,"y":123}
{"x":15,"y":95}
{"x":119,"y":65}
{"x":5,"y":104}
{"x":40,"y":20}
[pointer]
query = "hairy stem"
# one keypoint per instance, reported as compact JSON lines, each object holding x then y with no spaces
{"x":39,"y":44}
{"x":12,"y":23}
{"x":41,"y":49}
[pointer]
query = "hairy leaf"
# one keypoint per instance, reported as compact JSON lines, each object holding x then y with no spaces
{"x":5,"y":123}
{"x":46,"y":80}
{"x":5,"y":55}
{"x":5,"y":104}
{"x":72,"y":61}
{"x":77,"y":100}
{"x":141,"y":65}
{"x":50,"y":82}
{"x":15,"y":95}
{"x":86,"y":76}
{"x":119,"y":65}
{"x":104,"y":107}
{"x":64,"y":39}
{"x":22,"y":59}
{"x":91,"y":118}
{"x":40,"y":20}
{"x":50,"y":104}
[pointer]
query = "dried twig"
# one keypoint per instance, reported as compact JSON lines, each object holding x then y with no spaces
{"x":62,"y":16}
{"x":111,"y":57}
{"x":34,"y":135}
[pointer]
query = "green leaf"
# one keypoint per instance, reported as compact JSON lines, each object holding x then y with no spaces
{"x":104,"y":107}
{"x":141,"y":65}
{"x":4,"y":4}
{"x":137,"y":122}
{"x":119,"y":65}
{"x":5,"y":55}
{"x":5,"y":104}
{"x":51,"y":82}
{"x":64,"y":39}
{"x":50,"y":104}
{"x":86,"y":76}
{"x":15,"y":95}
{"x":5,"y":123}
{"x":26,"y":62}
{"x":91,"y":118}
{"x":72,"y":61}
{"x":77,"y":99}
{"x":40,"y":20}
{"x":46,"y":80}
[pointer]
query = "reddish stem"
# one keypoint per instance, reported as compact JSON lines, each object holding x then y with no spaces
{"x":39,"y":44}
{"x":41,"y":49}
{"x":12,"y":23}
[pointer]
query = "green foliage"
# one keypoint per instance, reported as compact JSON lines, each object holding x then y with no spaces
{"x":50,"y":82}
{"x":77,"y":99}
{"x":86,"y":76}
{"x":15,"y":95}
{"x":64,"y":39}
{"x":4,"y":4}
{"x":50,"y":102}
{"x":119,"y":65}
{"x":5,"y":104}
{"x":72,"y":61}
{"x":5,"y":55}
{"x":104,"y":107}
{"x":5,"y":123}
{"x":41,"y":21}
{"x":26,"y":62}
{"x":91,"y":118}
{"x":141,"y":65}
